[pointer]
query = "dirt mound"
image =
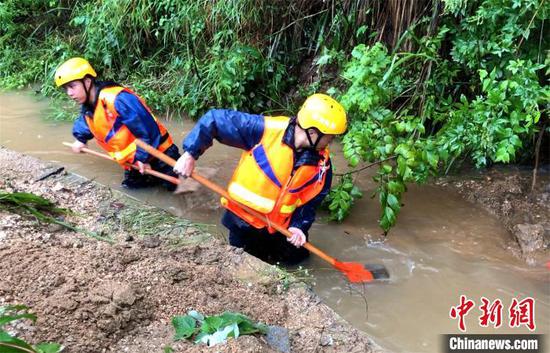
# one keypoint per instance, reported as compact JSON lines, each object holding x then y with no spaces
{"x":93,"y":296}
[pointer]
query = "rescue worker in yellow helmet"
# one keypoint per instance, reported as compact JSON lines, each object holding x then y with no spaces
{"x":115,"y":116}
{"x":284,"y":172}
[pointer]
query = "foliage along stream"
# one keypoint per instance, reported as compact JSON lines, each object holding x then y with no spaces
{"x":441,"y":248}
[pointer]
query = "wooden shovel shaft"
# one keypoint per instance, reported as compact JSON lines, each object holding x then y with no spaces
{"x":221,"y":191}
{"x":133,"y":166}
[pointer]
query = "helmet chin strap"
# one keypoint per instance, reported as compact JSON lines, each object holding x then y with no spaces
{"x":87,"y":90}
{"x":313,"y":145}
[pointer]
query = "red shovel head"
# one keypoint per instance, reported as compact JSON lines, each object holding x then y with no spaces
{"x":359,"y":273}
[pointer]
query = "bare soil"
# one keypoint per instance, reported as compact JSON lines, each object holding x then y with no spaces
{"x":93,"y":296}
{"x":506,"y":193}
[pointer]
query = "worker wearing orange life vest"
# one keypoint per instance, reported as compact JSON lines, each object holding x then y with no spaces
{"x":115,"y":116}
{"x":284,"y":172}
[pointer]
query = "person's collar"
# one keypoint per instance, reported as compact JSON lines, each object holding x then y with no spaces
{"x":88,"y":109}
{"x":304,"y":156}
{"x":288,"y":137}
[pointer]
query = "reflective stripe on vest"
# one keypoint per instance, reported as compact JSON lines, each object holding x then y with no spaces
{"x":290,"y":208}
{"x":120,"y":155}
{"x":265,"y":181}
{"x":250,"y":199}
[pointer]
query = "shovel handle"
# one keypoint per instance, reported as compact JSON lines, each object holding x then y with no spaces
{"x":133,"y":166}
{"x":221,"y":191}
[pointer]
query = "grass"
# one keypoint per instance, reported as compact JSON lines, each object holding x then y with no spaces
{"x":146,"y":221}
{"x":286,"y":277}
{"x":182,"y":57}
{"x":42,"y":210}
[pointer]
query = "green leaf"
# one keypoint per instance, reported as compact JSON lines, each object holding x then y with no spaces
{"x":212,"y":324}
{"x":13,"y":341}
{"x":343,"y":204}
{"x":347,"y":185}
{"x":340,"y":215}
{"x":9,"y":318}
{"x":382,"y":197}
{"x":385,"y":223}
{"x":356,"y":193}
{"x":400,"y":127}
{"x":433,"y":159}
{"x":184,"y":326}
{"x":396,"y":187}
{"x":393,"y":202}
{"x":7,"y":308}
{"x":220,"y":336}
{"x":361,"y":31}
{"x":390,"y":214}
{"x":401,"y":166}
{"x":4,"y":348}
{"x":408,"y":175}
{"x":502,"y":155}
{"x":345,"y":196}
{"x":229,"y":317}
{"x":482,"y":74}
{"x":48,"y":347}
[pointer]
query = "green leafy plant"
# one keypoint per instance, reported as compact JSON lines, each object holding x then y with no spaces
{"x":41,"y":209}
{"x":31,"y":204}
{"x":183,"y":57}
{"x":341,"y":198}
{"x":287,"y":277}
{"x":440,"y":84}
{"x":377,"y":134}
{"x":11,"y":344}
{"x":212,"y":330}
{"x":467,"y":92}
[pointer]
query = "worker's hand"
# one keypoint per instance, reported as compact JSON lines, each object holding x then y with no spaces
{"x":298,"y":237}
{"x":185,"y":165}
{"x":77,"y":146}
{"x":142,"y":166}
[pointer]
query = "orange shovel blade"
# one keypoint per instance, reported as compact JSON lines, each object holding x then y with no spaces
{"x":355,"y":272}
{"x":360,"y":273}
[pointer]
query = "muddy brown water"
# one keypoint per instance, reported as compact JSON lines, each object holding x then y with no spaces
{"x":442,"y":247}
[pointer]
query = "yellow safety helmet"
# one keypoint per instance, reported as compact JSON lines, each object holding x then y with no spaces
{"x":324,"y":113}
{"x":73,"y":69}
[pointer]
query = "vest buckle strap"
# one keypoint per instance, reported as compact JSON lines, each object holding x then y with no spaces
{"x":322,"y":170}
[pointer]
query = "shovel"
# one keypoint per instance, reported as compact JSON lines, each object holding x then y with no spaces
{"x":354,"y":271}
{"x":133,"y":166}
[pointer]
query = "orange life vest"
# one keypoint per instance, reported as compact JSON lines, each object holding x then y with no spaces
{"x":117,"y":140}
{"x":264,"y":179}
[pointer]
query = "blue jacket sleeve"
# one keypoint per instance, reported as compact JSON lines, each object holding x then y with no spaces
{"x":81,"y":131}
{"x":233,"y":128}
{"x":304,"y":215}
{"x":139,"y":121}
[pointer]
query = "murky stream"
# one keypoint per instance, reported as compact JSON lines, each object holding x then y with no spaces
{"x":442,"y":247}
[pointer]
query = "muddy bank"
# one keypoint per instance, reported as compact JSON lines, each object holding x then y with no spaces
{"x":93,"y":296}
{"x":506,"y":193}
